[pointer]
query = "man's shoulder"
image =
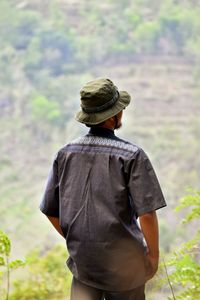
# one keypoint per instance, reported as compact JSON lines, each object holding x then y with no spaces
{"x":133,"y":146}
{"x":94,"y":141}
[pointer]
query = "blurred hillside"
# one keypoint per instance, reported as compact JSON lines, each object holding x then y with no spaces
{"x":49,"y":49}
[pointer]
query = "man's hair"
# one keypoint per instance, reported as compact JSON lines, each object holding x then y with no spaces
{"x":97,"y":125}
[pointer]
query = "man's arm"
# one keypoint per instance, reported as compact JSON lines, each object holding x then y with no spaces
{"x":55,"y":222}
{"x":149,"y":226}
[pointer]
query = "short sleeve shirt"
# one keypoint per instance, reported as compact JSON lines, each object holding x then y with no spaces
{"x":97,"y":187}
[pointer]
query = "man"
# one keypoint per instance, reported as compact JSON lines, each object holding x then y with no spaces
{"x":98,"y":186}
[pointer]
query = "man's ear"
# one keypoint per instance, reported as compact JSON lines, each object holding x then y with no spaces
{"x":112,"y":119}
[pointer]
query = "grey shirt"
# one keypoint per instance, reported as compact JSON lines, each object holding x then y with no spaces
{"x":98,"y":186}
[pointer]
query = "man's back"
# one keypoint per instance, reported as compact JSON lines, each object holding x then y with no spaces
{"x":96,"y":208}
{"x":97,"y":187}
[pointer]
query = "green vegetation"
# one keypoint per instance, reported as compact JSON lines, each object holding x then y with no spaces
{"x":6,"y":265}
{"x":184,"y":263}
{"x":49,"y":49}
{"x":45,"y":276}
{"x":44,"y":110}
{"x":45,"y":37}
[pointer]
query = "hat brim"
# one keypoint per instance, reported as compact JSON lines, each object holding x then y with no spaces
{"x":99,"y":117}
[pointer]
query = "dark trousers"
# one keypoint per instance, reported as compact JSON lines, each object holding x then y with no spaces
{"x":81,"y":291}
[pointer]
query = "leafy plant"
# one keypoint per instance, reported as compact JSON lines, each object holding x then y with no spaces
{"x":45,"y":276}
{"x":184,"y":263}
{"x":5,"y":264}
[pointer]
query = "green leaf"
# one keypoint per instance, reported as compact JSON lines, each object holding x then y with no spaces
{"x":192,"y":200}
{"x":2,"y":261}
{"x":16,"y":264}
{"x":5,"y":244}
{"x":183,"y":263}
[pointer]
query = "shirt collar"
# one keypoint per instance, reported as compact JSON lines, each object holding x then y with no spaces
{"x":101,"y":131}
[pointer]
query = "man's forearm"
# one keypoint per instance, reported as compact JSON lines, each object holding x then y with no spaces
{"x":149,"y":226}
{"x":55,"y":222}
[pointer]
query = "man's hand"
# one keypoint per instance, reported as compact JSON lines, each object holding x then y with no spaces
{"x":152,"y":266}
{"x":149,"y":226}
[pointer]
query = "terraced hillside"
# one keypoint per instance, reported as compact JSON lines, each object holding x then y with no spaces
{"x":163,"y":118}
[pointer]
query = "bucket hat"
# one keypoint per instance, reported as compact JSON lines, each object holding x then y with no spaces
{"x":100,"y":100}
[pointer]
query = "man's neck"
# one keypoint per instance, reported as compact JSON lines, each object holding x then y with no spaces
{"x":107,"y":126}
{"x":102,"y":131}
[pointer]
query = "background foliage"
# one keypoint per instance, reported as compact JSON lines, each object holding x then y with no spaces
{"x":49,"y":49}
{"x":184,"y":261}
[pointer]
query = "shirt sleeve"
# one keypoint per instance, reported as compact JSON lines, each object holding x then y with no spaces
{"x":143,"y":185}
{"x":50,"y":201}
